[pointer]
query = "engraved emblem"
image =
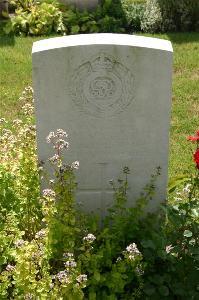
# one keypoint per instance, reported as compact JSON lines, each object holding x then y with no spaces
{"x":102,"y":86}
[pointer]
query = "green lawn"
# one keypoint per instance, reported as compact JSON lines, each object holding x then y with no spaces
{"x":15,"y":74}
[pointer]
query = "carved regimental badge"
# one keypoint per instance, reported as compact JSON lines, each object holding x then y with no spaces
{"x":102,"y":86}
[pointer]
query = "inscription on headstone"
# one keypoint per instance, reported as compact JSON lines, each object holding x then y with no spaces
{"x":102,"y":86}
{"x":112,"y":94}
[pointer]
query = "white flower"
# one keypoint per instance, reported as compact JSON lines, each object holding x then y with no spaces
{"x":62,"y":276}
{"x":132,"y":249}
{"x":40,"y":234}
{"x":55,"y":158}
{"x":19,"y":243}
{"x":169,"y":248}
{"x":75,"y":165}
{"x":82,"y":278}
{"x":178,"y":198}
{"x":89,"y":238}
{"x":48,"y":193}
{"x":2,"y":120}
{"x":61,"y":144}
{"x":68,"y":255}
{"x":28,"y":109}
{"x":17,"y":122}
{"x":139,"y":270}
{"x":61,"y":133}
{"x":131,"y":257}
{"x":118,"y":259}
{"x":187,"y":188}
{"x":70,"y":264}
{"x":10,"y":268}
{"x":50,"y":137}
{"x":28,"y":296}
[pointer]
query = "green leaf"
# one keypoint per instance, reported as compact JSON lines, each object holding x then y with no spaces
{"x":163,"y":290}
{"x":97,"y":276}
{"x":187,"y":233}
{"x":176,"y":181}
{"x":75,"y":29}
{"x":148,"y":244}
{"x":149,"y":290}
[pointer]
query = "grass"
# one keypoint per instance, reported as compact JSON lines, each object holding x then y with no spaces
{"x":15,"y":74}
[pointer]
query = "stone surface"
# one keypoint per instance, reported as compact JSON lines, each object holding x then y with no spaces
{"x":112,"y":94}
{"x":85,"y":4}
{"x":4,"y":9}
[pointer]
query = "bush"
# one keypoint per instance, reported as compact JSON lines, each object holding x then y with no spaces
{"x":51,"y":250}
{"x":134,"y":13}
{"x":36,"y":19}
{"x":171,"y":15}
{"x":152,"y":18}
{"x":181,"y":15}
{"x":46,"y":17}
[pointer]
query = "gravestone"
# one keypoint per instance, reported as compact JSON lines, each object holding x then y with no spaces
{"x":4,"y":9}
{"x":112,"y":94}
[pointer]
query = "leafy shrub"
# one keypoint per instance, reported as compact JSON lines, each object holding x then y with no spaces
{"x":180,"y":15}
{"x":171,"y":15}
{"x":152,"y":18}
{"x":134,"y":13}
{"x":36,"y":19}
{"x":51,"y":250}
{"x":43,"y":18}
{"x":106,"y":18}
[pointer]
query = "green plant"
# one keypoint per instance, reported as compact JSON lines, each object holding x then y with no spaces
{"x":62,"y":253}
{"x":19,"y":178}
{"x":152,"y":18}
{"x":134,"y":13}
{"x":179,"y":15}
{"x":23,"y":4}
{"x":106,"y":18}
{"x":36,"y":19}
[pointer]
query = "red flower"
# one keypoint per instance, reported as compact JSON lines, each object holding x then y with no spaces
{"x":196,"y":158}
{"x":194,"y":138}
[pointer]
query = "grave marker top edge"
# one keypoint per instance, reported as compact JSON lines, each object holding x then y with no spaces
{"x":102,"y":39}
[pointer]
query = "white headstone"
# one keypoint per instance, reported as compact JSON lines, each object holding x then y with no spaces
{"x":112,"y":94}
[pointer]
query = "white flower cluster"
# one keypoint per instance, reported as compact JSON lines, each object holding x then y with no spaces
{"x":169,"y":248}
{"x":48,"y":193}
{"x":89,"y":238}
{"x":68,"y":255}
{"x":10,"y":268}
{"x":52,"y":136}
{"x":70,"y":264}
{"x":61,"y":144}
{"x":2,"y":121}
{"x":82,"y":278}
{"x":132,"y":251}
{"x":139,"y":270}
{"x":40,"y":234}
{"x":75,"y":165}
{"x":17,"y":122}
{"x":55,"y":158}
{"x":187,"y":189}
{"x":28,"y":109}
{"x":28,"y":296}
{"x":19,"y":243}
{"x":63,"y":277}
{"x":57,"y":139}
